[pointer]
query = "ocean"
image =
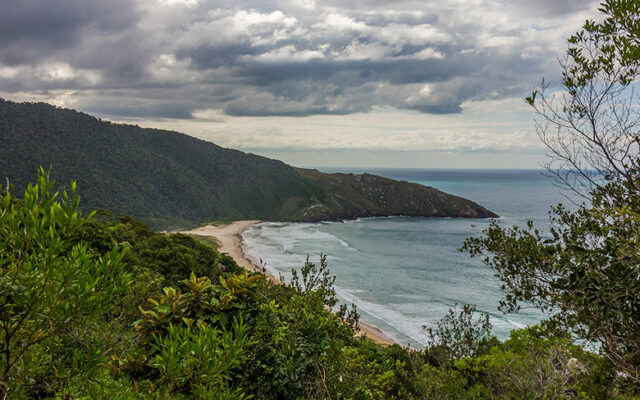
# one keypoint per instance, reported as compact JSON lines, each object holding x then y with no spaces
{"x":404,"y":273}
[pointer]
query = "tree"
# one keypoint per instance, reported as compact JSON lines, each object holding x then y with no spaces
{"x":585,"y":272}
{"x":459,"y":334}
{"x":47,"y":283}
{"x":591,"y":125}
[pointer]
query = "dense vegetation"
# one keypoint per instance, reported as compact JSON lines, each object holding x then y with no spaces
{"x":349,"y":196}
{"x":170,"y":179}
{"x":94,"y":308}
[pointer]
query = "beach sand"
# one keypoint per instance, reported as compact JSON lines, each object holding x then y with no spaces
{"x":228,"y":236}
{"x":230,"y":240}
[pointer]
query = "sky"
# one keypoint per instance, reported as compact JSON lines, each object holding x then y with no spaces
{"x":335,"y":83}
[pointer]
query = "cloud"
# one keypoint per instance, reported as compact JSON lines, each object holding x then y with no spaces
{"x":551,"y":7}
{"x":155,"y":58}
{"x":32,"y":29}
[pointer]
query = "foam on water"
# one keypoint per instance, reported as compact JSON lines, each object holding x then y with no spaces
{"x":377,"y":314}
{"x":288,"y":235}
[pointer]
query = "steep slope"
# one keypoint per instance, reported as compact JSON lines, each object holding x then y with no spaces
{"x":169,"y":178}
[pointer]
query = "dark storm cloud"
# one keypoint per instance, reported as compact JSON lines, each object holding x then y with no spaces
{"x":33,"y":29}
{"x":223,"y":55}
{"x":166,"y":58}
{"x":551,"y":7}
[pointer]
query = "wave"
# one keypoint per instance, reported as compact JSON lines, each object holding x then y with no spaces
{"x":373,"y":313}
{"x":288,"y":235}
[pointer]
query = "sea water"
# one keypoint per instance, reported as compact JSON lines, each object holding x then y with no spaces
{"x":404,"y":273}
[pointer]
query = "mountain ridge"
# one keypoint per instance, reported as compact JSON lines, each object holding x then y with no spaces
{"x":169,"y":179}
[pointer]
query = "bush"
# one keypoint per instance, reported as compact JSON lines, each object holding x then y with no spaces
{"x":49,"y":287}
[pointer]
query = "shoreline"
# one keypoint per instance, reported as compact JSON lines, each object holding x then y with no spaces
{"x":229,"y":237}
{"x":230,"y":241}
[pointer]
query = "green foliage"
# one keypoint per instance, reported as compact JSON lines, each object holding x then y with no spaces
{"x":525,"y":366}
{"x":175,"y":256}
{"x":615,"y":50}
{"x":535,"y":363}
{"x":197,"y":358}
{"x":458,"y":335}
{"x":172,"y":256}
{"x":370,"y":371}
{"x":585,"y":272}
{"x":202,"y":302}
{"x":316,"y":282}
{"x":297,"y":341}
{"x":300,"y":340}
{"x":48,"y":286}
{"x":234,"y":334}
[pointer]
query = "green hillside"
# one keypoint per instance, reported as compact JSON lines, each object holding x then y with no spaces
{"x":170,"y":179}
{"x":348,"y":196}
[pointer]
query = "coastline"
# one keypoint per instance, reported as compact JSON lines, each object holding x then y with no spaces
{"x":230,"y":239}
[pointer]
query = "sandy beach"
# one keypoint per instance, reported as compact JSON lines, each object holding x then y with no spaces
{"x":228,"y":236}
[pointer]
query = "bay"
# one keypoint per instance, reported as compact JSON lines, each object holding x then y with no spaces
{"x":404,"y":273}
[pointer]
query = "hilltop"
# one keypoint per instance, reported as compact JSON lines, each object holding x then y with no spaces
{"x":171,"y":179}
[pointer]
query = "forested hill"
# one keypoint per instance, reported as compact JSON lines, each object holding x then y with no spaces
{"x":170,"y":179}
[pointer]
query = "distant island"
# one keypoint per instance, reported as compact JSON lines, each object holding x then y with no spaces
{"x":169,"y":179}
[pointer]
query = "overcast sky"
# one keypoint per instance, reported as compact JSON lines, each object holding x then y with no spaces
{"x":314,"y":83}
